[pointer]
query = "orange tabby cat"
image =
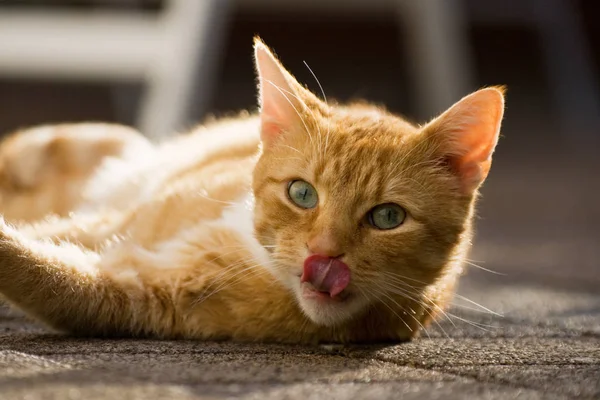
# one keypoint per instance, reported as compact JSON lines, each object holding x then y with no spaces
{"x":311,"y":222}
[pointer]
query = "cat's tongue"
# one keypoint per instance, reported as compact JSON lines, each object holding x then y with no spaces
{"x":326,"y":274}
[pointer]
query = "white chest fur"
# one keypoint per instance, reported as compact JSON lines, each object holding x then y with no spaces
{"x":239,"y":217}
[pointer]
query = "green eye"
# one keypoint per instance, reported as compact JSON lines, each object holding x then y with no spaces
{"x":303,"y":194}
{"x":387,"y":216}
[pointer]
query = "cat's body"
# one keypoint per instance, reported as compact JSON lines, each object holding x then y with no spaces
{"x":199,"y":237}
{"x":43,"y":169}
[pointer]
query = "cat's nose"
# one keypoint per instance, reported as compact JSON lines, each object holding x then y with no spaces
{"x":325,"y":245}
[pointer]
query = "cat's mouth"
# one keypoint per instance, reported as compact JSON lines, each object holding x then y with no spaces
{"x":323,"y":308}
{"x":309,"y":292}
{"x":323,"y":290}
{"x":324,"y":276}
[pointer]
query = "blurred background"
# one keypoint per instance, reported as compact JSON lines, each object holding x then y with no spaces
{"x":165,"y":65}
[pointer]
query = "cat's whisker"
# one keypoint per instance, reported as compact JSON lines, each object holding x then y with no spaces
{"x":412,"y":315}
{"x":316,"y":79}
{"x":384,"y":287}
{"x":447,"y":314}
{"x":227,"y":269}
{"x":398,"y":278}
{"x":401,"y":277}
{"x":397,"y":315}
{"x":411,"y":296}
{"x":231,"y":279}
{"x":420,"y":303}
{"x":283,"y":93}
{"x":223,"y":275}
{"x":261,"y":272}
{"x":468,"y":262}
{"x":287,"y":158}
{"x":234,"y":280}
{"x":323,"y":151}
{"x":473,"y":309}
{"x":204,"y":196}
{"x":364,"y":294}
{"x":290,"y":147}
{"x":482,"y":308}
{"x":473,"y":323}
{"x":238,"y":249}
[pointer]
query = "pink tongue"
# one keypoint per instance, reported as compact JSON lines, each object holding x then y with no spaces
{"x":326,"y":274}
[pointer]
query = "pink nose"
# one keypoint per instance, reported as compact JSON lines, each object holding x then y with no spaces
{"x":326,"y":274}
{"x":324,"y":245}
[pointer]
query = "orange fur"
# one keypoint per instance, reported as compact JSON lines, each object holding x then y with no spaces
{"x":200,"y":240}
{"x":43,"y":169}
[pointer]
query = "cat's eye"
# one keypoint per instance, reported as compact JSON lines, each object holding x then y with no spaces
{"x":303,"y":194}
{"x":386,"y":216}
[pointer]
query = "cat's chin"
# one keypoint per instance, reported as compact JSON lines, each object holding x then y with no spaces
{"x":324,"y":310}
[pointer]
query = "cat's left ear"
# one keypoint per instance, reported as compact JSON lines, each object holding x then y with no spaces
{"x":280,"y":103}
{"x":466,"y":135}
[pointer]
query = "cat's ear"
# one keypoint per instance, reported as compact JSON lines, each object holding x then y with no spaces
{"x":466,"y":135}
{"x":279,"y":100}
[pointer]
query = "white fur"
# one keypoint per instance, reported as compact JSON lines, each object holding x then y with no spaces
{"x":143,"y":169}
{"x":239,"y":217}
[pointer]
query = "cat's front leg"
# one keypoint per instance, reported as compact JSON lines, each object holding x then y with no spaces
{"x":65,"y":287}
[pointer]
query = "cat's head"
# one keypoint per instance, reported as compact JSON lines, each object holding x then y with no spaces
{"x":358,"y":207}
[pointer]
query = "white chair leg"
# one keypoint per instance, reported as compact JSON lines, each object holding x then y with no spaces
{"x":188,"y":27}
{"x":439,"y":56}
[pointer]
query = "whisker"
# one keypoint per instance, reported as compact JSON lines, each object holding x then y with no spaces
{"x":231,"y":280}
{"x":399,"y":317}
{"x":425,"y":306}
{"x":287,"y":158}
{"x":205,"y":196}
{"x":234,"y":265}
{"x":316,"y":79}
{"x":410,"y":296}
{"x":445,"y":313}
{"x":290,"y":147}
{"x":322,"y":150}
{"x":484,"y":269}
{"x":421,"y":325}
{"x":472,"y":323}
{"x":382,"y":292}
{"x":283,"y":92}
{"x":401,"y":279}
{"x":458,"y":296}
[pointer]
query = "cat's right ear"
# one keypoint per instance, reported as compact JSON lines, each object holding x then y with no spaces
{"x":465,"y":136}
{"x":280,"y":105}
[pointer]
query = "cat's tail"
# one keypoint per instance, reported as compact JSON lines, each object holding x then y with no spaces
{"x":63,"y":286}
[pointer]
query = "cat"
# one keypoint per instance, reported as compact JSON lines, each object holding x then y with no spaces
{"x":308,"y":222}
